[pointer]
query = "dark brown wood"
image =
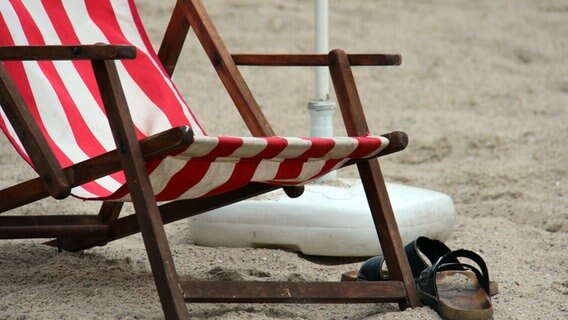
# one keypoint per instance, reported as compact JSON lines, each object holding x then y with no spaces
{"x":387,"y":228}
{"x":226,"y":68}
{"x":45,"y":232}
{"x":49,"y":220}
{"x":371,"y":177}
{"x":347,"y":95}
{"x":292,"y":292}
{"x":156,"y":146}
{"x":294,"y":192}
{"x":306,"y":60}
{"x":398,"y":141}
{"x":66,"y":52}
{"x":45,"y":163}
{"x":147,"y":213}
{"x":25,"y":227}
{"x":173,"y":39}
{"x":109,"y":212}
{"x":54,"y":231}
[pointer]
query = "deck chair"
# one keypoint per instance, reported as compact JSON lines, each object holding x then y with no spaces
{"x":92,"y":108}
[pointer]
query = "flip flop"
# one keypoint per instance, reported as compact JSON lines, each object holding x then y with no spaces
{"x":444,"y":288}
{"x":375,"y":269}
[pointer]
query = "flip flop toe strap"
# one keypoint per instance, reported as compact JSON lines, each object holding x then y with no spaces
{"x":447,"y":262}
{"x":426,"y":283}
{"x":431,"y":249}
{"x":372,"y":269}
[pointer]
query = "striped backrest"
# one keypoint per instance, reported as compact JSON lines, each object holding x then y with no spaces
{"x":63,"y":96}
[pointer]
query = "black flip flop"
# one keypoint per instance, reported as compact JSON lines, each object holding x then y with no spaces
{"x":375,"y":269}
{"x":457,"y":291}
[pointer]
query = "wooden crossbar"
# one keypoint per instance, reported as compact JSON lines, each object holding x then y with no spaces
{"x":312,"y":60}
{"x":55,"y":231}
{"x":59,"y":52}
{"x":292,"y":292}
{"x":24,"y":227}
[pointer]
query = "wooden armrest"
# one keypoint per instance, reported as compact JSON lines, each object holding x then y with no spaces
{"x":314,"y":59}
{"x":57,"y":52}
{"x":398,"y":141}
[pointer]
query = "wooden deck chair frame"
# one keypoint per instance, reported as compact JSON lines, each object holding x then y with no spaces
{"x":79,"y":232}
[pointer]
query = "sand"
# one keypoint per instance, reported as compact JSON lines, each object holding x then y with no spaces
{"x":482,"y":93}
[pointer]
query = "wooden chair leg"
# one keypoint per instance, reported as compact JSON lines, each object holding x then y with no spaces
{"x":371,"y":176}
{"x":387,"y":229}
{"x":138,"y":181}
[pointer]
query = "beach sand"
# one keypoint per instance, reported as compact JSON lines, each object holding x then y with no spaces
{"x":482,"y":93}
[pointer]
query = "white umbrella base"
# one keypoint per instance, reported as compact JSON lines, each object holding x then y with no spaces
{"x":331,"y":219}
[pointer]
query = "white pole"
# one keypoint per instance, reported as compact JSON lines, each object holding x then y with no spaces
{"x":322,"y":108}
{"x":321,"y":41}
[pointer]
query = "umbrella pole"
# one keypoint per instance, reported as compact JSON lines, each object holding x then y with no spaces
{"x":322,"y":107}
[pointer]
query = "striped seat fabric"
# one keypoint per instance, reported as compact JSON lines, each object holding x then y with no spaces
{"x":65,"y":101}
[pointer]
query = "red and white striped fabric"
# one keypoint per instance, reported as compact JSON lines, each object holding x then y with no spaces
{"x":64,"y":99}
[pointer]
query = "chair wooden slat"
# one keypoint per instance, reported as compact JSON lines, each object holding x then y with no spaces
{"x":308,"y":60}
{"x":67,"y":52}
{"x":292,"y":292}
